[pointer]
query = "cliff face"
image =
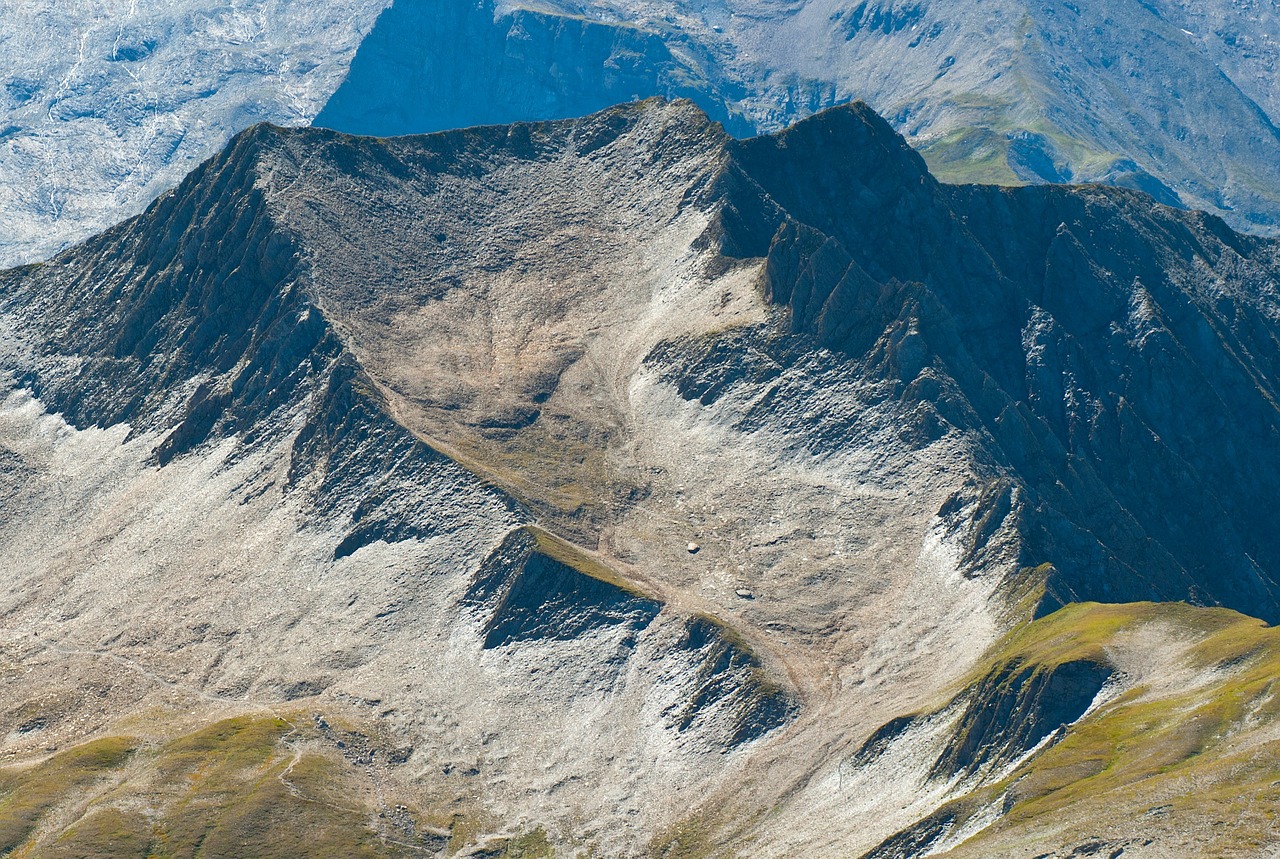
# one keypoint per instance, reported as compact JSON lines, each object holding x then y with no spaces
{"x":1116,"y":356}
{"x":109,"y":106}
{"x":625,"y":472}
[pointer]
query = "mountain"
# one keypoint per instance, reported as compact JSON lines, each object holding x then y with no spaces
{"x":1172,"y":98}
{"x":103,"y":106}
{"x":615,"y":485}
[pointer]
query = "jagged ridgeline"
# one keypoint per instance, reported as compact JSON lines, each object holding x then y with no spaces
{"x":1003,"y":91}
{"x":614,"y":481}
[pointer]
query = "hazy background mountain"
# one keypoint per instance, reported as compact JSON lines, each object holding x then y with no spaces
{"x":104,"y":105}
{"x":1175,"y":99}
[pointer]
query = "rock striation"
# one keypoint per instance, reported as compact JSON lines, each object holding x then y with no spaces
{"x":419,"y":432}
{"x":1106,"y":363}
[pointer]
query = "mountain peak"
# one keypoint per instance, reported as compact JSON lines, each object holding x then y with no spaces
{"x":340,"y":380}
{"x":835,"y":167}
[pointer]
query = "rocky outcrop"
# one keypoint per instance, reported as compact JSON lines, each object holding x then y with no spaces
{"x":536,"y":586}
{"x":1080,"y":332}
{"x":1015,"y":710}
{"x":732,"y":685}
{"x":362,"y":470}
{"x":194,"y":317}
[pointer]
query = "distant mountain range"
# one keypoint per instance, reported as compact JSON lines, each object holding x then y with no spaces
{"x":103,"y":110}
{"x":1173,"y":98}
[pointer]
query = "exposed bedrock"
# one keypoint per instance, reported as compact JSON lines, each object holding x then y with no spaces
{"x":1116,"y":357}
{"x":426,"y":427}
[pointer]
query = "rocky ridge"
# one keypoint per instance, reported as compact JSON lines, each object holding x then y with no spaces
{"x":420,"y":431}
{"x":103,"y":108}
{"x":1159,"y":96}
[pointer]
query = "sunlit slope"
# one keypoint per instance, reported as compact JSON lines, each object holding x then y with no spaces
{"x":1178,"y":753}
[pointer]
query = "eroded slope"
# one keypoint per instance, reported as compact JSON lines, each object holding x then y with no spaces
{"x":631,"y":475}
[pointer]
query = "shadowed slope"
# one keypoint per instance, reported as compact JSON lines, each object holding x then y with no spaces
{"x":295,"y":424}
{"x":1118,"y":355}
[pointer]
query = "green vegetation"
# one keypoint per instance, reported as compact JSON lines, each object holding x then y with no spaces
{"x":108,"y":833}
{"x":687,"y":840}
{"x":266,"y":787}
{"x":27,"y":794}
{"x":970,"y":156}
{"x":234,"y":789}
{"x":532,"y":845}
{"x":578,"y":560}
{"x":246,"y":787}
{"x":1086,"y":630}
{"x":979,"y":153}
{"x":1198,"y":745}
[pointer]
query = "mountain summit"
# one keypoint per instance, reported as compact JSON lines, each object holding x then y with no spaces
{"x":605,"y":483}
{"x":1166,"y":96}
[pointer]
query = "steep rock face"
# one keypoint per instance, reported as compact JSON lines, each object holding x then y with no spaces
{"x":1082,"y":332}
{"x":531,"y":593}
{"x":292,"y":431}
{"x":1013,"y":711}
{"x":108,"y":107}
{"x":205,"y":289}
{"x":103,"y":108}
{"x":1017,"y":708}
{"x":733,"y":680}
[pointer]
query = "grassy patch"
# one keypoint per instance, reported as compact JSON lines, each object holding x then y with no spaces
{"x":979,"y":153}
{"x":26,"y":795}
{"x":571,"y":556}
{"x":531,"y":845}
{"x":686,"y":840}
{"x":275,"y":818}
{"x":970,"y":156}
{"x":249,"y":786}
{"x":108,"y":833}
{"x":1198,"y":747}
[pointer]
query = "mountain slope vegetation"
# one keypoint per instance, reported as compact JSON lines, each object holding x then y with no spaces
{"x":640,"y":488}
